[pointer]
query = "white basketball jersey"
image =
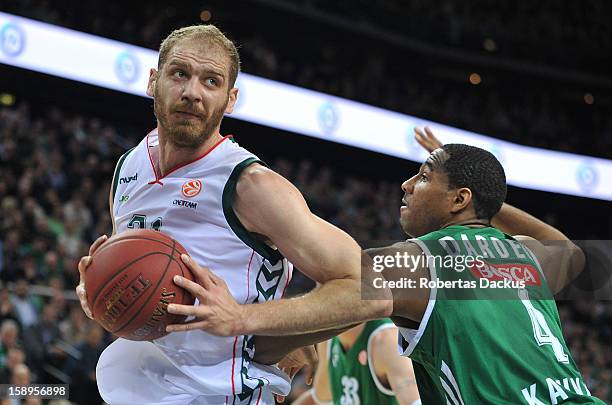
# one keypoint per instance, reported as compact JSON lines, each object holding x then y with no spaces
{"x":193,"y":204}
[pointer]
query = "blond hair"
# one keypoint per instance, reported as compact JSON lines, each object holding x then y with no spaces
{"x":208,"y":33}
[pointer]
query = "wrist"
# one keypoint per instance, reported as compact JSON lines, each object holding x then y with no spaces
{"x":244,"y":321}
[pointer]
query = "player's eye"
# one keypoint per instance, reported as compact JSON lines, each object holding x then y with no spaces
{"x":211,"y":81}
{"x":179,"y":74}
{"x":423,"y":177}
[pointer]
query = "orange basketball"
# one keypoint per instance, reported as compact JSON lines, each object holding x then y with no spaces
{"x":129,"y":284}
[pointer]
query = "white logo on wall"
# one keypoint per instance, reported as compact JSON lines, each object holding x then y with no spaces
{"x":127,"y":68}
{"x":587,"y":176}
{"x":12,"y":39}
{"x":329,"y":118}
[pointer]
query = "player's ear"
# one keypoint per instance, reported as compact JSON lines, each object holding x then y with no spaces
{"x":233,"y":96}
{"x":152,"y":81}
{"x":461,"y":199}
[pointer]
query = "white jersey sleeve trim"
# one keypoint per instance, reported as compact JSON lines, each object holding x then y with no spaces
{"x":229,"y":193}
{"x":377,"y":382}
{"x":408,"y":334}
{"x":114,"y":183}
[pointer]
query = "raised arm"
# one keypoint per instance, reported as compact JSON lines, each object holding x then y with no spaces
{"x":560,"y":258}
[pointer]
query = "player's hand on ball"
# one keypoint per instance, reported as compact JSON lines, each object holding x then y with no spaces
{"x":217,"y":313}
{"x":427,"y":139}
{"x":84,"y":263}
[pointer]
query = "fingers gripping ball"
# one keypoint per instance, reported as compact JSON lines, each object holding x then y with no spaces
{"x":129,"y":284}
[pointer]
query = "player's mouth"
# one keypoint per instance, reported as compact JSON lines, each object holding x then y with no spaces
{"x":187,"y":115}
{"x":404,"y":206}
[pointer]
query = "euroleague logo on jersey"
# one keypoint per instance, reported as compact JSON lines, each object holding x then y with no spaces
{"x":192,"y":188}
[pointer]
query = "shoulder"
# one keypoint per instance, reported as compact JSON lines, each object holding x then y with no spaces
{"x":261,"y":190}
{"x":383,"y":337}
{"x":257,"y":178}
{"x":382,"y":347}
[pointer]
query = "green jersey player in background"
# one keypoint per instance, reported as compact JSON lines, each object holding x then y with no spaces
{"x":362,"y":366}
{"x":473,"y":345}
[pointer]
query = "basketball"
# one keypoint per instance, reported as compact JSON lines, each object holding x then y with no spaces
{"x":129,"y":284}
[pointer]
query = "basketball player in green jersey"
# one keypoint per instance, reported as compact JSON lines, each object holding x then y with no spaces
{"x":361,"y":366}
{"x":472,"y":344}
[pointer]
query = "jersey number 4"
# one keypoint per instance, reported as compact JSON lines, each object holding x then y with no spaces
{"x":541,"y":331}
{"x":139,"y":221}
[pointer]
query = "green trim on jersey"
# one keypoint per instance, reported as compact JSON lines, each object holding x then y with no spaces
{"x":229,"y":192}
{"x":118,"y":170}
{"x":351,"y":373}
{"x":487,"y":345}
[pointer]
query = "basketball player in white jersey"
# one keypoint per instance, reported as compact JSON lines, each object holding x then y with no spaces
{"x":233,"y":215}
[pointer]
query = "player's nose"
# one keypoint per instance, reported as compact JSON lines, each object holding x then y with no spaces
{"x":192,"y":90}
{"x":408,"y":185}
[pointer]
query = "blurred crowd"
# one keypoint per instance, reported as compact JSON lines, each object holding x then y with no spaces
{"x":55,"y":171}
{"x":53,"y":179}
{"x":315,"y":53}
{"x":525,"y":30}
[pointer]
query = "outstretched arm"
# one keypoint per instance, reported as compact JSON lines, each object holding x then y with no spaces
{"x":560,"y":258}
{"x":514,"y":221}
{"x":269,"y":205}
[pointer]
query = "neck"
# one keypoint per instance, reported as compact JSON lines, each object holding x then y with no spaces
{"x":171,"y":156}
{"x":349,"y":337}
{"x":469,"y":221}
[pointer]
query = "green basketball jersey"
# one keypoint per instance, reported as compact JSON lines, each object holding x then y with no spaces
{"x":351,"y":373}
{"x":482,"y":345}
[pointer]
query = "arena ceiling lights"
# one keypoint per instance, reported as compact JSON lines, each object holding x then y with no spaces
{"x":123,"y":67}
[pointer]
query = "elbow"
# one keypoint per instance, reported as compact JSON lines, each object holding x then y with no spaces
{"x":268,"y":352}
{"x":379,"y":308}
{"x":387,"y":309}
{"x":377,"y":302}
{"x":577,"y":261}
{"x":268,"y":358}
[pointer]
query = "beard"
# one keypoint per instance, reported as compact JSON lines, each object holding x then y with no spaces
{"x":187,"y":133}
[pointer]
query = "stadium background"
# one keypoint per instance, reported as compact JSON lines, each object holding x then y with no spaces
{"x":534,"y":74}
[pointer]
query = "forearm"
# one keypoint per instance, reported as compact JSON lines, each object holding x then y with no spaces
{"x":272,"y":349}
{"x":335,"y":304}
{"x":406,"y":392}
{"x":514,"y":221}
